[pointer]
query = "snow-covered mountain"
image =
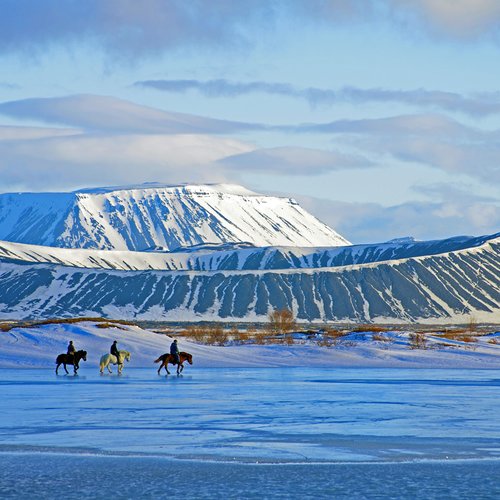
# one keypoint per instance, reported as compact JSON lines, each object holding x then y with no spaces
{"x":448,"y":286}
{"x":234,"y":256}
{"x":208,"y":252}
{"x":152,"y":216}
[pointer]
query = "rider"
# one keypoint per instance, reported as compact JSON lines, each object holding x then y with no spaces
{"x":115,"y":352}
{"x":174,"y":351}
{"x":71,"y":349}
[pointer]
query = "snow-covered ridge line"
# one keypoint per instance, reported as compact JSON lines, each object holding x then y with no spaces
{"x":250,"y":258}
{"x":159,"y":216}
{"x":194,"y":188}
{"x":445,"y":287}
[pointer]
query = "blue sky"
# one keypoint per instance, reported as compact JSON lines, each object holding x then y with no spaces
{"x":382,"y":118}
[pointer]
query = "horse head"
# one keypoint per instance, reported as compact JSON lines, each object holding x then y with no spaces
{"x":127,"y":355}
{"x":189,"y":358}
{"x":84,"y":355}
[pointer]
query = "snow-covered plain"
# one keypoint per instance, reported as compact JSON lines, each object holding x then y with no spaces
{"x":38,"y":347}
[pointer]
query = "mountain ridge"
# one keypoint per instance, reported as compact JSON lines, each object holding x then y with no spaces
{"x":134,"y":218}
{"x":445,"y":287}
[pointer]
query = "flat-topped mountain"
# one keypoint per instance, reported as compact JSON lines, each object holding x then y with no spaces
{"x":160,"y":216}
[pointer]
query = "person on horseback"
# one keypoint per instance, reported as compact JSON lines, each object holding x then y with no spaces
{"x":115,"y":352}
{"x":71,"y":349}
{"x":174,"y":351}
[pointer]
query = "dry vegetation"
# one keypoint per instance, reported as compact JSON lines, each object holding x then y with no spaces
{"x":381,"y":338}
{"x":417,"y":341}
{"x":282,"y":329}
{"x":108,"y":324}
{"x":5,"y":327}
{"x":369,"y":328}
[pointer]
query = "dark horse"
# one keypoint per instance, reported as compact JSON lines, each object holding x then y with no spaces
{"x":71,"y":359}
{"x":169,"y":358}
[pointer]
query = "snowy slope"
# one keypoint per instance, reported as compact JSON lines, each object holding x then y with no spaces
{"x":38,"y":347}
{"x":151,"y":215}
{"x":234,"y":256}
{"x":448,"y":286}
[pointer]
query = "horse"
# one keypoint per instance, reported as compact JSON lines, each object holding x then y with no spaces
{"x":71,"y":359}
{"x":169,"y":358}
{"x":110,"y":359}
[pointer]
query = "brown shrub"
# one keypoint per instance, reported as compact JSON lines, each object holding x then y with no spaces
{"x":260,"y":338}
{"x":325,"y":342}
{"x":381,"y":338}
{"x":458,"y":334}
{"x":417,"y":341}
{"x":281,"y":321}
{"x":369,"y":328}
{"x":242,"y":337}
{"x":335,"y":334}
{"x":468,"y":338}
{"x":197,"y":333}
{"x":109,"y":325}
{"x":216,"y":336}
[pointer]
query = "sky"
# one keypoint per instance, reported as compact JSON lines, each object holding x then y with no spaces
{"x":381,"y":117}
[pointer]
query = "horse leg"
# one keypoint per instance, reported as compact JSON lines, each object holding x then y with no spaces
{"x":166,"y":368}
{"x":57,"y":368}
{"x":109,"y":368}
{"x":181,"y":366}
{"x":65,"y":369}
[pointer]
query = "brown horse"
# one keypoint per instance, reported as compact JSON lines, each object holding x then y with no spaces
{"x":169,"y":358}
{"x":71,"y":359}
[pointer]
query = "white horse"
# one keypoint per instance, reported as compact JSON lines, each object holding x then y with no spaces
{"x":110,"y":359}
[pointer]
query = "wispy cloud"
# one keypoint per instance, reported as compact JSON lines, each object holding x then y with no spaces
{"x":294,"y":161}
{"x":448,"y":212}
{"x":429,"y":139}
{"x":475,"y":105}
{"x":432,"y":140}
{"x":36,"y":160}
{"x":103,"y":113}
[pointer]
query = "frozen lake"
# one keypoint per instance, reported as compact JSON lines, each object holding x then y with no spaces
{"x":341,"y":431}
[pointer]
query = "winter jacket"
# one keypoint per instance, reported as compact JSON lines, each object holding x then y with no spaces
{"x":174,"y":349}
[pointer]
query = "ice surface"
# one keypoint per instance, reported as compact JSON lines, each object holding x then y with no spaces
{"x":281,"y":416}
{"x":251,"y":433}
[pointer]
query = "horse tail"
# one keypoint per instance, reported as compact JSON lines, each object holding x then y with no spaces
{"x":161,"y":358}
